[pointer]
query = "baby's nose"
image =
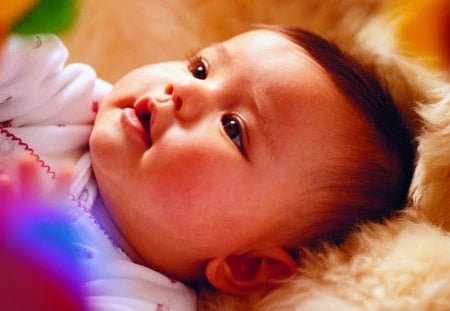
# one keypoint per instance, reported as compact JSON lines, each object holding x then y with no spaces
{"x":177,"y":101}
{"x":188,"y":98}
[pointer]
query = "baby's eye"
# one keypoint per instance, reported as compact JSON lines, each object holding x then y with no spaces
{"x":232,"y":126}
{"x":198,"y":67}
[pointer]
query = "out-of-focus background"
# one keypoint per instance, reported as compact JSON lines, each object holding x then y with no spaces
{"x":116,"y":36}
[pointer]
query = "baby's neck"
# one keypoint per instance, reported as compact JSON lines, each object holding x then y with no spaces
{"x":101,"y":215}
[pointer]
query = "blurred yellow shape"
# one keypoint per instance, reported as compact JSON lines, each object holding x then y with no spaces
{"x":424,"y":29}
{"x":12,"y":10}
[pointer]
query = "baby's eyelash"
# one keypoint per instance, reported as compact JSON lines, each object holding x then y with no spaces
{"x":193,"y":57}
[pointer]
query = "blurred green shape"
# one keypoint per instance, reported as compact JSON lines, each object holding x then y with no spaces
{"x":48,"y":16}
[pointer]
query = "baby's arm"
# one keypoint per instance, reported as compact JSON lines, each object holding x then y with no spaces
{"x":47,"y":108}
{"x":39,"y":88}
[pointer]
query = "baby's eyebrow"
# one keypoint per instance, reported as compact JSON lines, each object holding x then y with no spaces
{"x":222,"y":50}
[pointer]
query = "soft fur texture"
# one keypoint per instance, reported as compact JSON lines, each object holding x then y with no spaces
{"x":402,"y":264}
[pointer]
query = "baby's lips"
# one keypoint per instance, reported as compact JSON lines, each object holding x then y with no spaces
{"x":141,"y":106}
{"x":161,"y":110}
{"x":144,"y":113}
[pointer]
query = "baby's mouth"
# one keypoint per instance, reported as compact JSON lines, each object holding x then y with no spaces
{"x":144,"y":115}
{"x":145,"y":118}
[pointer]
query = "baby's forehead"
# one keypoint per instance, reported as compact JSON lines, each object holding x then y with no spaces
{"x":256,"y":42}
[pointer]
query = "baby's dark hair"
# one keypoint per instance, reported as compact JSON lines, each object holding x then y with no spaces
{"x":375,"y":186}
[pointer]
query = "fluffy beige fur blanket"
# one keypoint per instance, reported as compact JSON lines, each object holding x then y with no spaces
{"x":402,"y":264}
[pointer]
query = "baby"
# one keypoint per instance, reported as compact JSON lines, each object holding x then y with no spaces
{"x":217,"y":169}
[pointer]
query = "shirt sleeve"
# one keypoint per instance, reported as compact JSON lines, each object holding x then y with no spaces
{"x":37,"y":87}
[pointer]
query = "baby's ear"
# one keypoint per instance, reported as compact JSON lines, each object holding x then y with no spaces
{"x":252,"y":271}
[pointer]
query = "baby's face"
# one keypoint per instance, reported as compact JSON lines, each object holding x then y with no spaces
{"x":208,"y":157}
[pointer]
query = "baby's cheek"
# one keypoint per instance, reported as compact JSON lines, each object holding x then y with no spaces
{"x":187,"y":186}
